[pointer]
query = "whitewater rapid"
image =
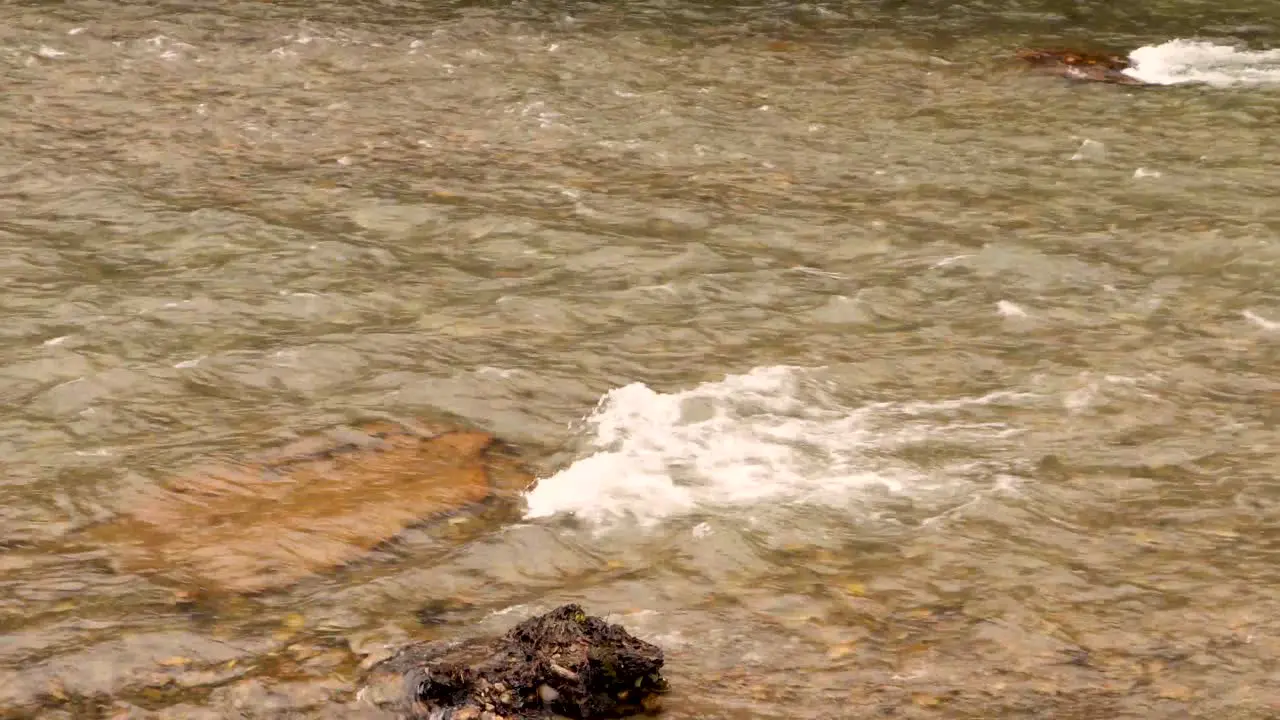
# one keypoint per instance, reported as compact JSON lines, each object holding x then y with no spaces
{"x":1183,"y":61}
{"x":775,"y":435}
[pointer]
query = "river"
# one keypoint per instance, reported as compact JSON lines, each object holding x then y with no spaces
{"x":864,"y":371}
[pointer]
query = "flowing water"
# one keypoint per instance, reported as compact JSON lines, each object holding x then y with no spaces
{"x":867,"y":373}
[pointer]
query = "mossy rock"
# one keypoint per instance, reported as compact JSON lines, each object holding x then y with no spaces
{"x":564,"y":663}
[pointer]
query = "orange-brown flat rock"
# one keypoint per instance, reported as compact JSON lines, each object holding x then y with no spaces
{"x":313,"y":506}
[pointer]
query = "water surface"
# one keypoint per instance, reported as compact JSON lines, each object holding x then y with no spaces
{"x":864,"y":371}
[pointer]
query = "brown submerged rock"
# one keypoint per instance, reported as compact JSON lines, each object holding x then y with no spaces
{"x":564,"y":663}
{"x":1077,"y":65}
{"x":310,"y":507}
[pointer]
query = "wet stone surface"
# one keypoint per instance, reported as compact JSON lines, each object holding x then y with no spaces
{"x":308,"y":508}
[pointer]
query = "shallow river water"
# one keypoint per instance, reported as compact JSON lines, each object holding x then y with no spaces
{"x":867,"y":373}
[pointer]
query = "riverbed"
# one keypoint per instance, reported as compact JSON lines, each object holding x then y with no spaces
{"x":864,"y":371}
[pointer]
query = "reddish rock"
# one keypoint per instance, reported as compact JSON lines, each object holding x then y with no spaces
{"x":313,"y":506}
{"x":1077,"y":65}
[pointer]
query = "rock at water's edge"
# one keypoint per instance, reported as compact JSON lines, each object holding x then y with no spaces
{"x":564,"y":662}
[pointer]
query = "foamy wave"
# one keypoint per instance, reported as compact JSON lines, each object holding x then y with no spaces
{"x":774,"y":435}
{"x":1192,"y":61}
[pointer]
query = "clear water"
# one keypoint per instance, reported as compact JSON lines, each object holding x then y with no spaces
{"x":863,"y":370}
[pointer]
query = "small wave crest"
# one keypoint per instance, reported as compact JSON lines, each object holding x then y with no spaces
{"x":1193,"y":61}
{"x":775,"y":435}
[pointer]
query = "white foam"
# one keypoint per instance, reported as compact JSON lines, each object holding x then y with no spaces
{"x":1193,"y":61}
{"x":949,"y":261}
{"x":1260,"y":321}
{"x":772,"y":436}
{"x":1090,"y":150}
{"x":1008,"y":309}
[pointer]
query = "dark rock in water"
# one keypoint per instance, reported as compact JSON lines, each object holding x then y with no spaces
{"x":563,"y":663}
{"x":1077,"y":65}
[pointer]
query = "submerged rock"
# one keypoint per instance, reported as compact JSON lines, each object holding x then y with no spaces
{"x":563,"y":663}
{"x":1077,"y":65}
{"x":313,"y":506}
